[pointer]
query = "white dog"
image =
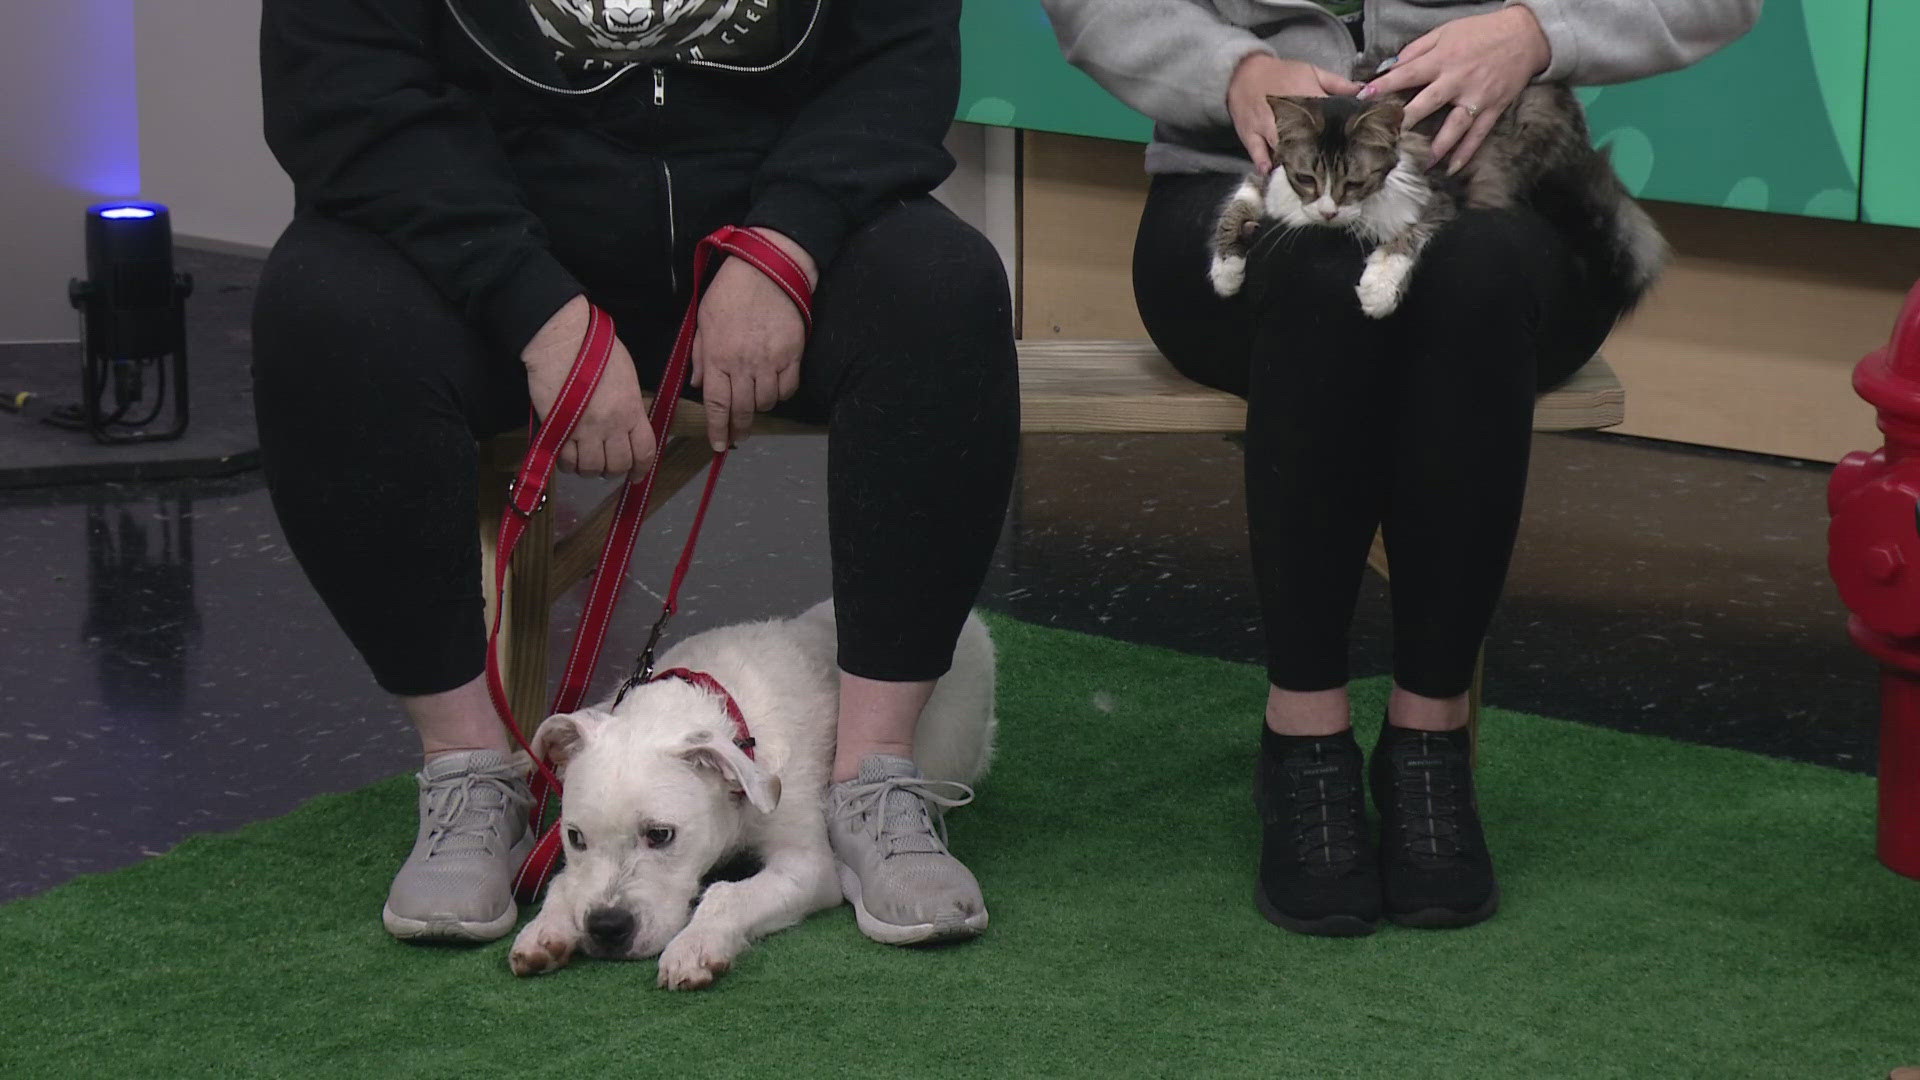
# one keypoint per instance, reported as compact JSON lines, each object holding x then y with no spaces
{"x":657,"y":796}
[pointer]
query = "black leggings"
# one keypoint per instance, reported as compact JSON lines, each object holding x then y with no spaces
{"x":1420,"y":422}
{"x":371,"y":393}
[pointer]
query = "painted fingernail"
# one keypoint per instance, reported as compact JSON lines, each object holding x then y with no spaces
{"x":1368,"y":91}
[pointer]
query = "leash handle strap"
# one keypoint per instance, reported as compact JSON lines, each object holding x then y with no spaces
{"x":529,"y":491}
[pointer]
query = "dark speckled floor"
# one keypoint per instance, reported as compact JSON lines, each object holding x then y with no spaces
{"x":164,"y":669}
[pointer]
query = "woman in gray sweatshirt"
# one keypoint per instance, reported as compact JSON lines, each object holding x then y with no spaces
{"x":1418,"y":423}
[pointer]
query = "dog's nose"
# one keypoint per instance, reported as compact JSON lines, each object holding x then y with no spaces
{"x":610,"y":926}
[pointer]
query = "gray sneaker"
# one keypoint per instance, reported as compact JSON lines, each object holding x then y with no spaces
{"x":457,"y":885}
{"x":906,"y":889}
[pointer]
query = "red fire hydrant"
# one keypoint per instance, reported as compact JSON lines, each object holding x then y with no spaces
{"x":1873,"y":552}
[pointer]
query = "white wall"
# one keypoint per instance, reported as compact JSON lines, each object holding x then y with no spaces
{"x":68,"y":137}
{"x":201,"y":151}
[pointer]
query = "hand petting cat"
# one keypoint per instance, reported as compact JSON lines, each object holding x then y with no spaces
{"x":1262,"y":75}
{"x":1477,"y":65}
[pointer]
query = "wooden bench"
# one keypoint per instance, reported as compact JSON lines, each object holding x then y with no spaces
{"x":1065,"y":387}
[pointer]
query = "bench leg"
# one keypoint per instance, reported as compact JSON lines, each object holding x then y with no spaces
{"x":1377,"y":559}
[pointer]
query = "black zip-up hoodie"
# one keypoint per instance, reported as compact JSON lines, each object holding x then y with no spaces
{"x":440,"y":125}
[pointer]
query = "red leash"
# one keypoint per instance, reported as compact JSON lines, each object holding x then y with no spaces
{"x":528,"y":494}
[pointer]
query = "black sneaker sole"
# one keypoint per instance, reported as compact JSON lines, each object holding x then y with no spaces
{"x":1447,"y":918}
{"x":1324,"y":926}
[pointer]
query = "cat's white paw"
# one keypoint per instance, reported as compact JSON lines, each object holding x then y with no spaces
{"x":1383,"y":283}
{"x":1227,"y":273}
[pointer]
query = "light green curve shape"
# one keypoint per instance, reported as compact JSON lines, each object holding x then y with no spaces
{"x":990,"y":110}
{"x":1750,"y":193}
{"x":1632,"y":156}
{"x":1835,"y":34}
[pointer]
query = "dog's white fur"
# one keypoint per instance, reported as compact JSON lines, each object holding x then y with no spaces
{"x":665,"y":758}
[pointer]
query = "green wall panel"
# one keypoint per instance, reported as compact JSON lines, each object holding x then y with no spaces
{"x":1891,"y":192}
{"x":1012,"y":75}
{"x":1774,"y":122}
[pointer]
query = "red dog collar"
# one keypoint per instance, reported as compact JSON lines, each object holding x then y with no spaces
{"x":742,"y":737}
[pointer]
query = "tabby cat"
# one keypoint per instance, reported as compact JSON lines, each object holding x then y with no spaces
{"x":1345,"y":163}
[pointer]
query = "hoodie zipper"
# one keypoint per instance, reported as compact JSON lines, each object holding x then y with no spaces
{"x":659,"y":86}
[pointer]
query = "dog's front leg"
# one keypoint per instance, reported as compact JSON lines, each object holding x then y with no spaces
{"x":546,"y":943}
{"x":733,"y":914}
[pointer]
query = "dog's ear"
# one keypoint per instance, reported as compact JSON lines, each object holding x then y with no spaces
{"x":560,"y":737}
{"x":741,"y":773}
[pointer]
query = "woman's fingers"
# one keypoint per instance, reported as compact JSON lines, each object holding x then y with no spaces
{"x":640,"y":443}
{"x":1419,"y":47}
{"x":1410,"y":72}
{"x":1459,"y":119}
{"x":715,"y":400}
{"x":789,"y":383}
{"x":1259,"y":144}
{"x":1334,"y":84}
{"x":740,"y":407}
{"x":616,"y":456}
{"x":766,"y":392}
{"x":592,"y":458}
{"x":1476,"y":135}
{"x":1435,"y":97}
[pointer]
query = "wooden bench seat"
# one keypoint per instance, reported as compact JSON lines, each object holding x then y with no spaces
{"x":1066,"y":387}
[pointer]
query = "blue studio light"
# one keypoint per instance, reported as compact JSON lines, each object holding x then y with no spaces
{"x":133,"y":310}
{"x":127,"y":210}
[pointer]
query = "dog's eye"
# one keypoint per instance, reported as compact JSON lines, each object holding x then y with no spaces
{"x":575,"y":840}
{"x":659,"y":836}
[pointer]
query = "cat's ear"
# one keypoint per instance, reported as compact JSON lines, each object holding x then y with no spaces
{"x":1295,"y":114}
{"x":1379,"y":125}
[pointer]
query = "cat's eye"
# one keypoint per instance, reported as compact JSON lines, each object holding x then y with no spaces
{"x":1352,"y":189}
{"x":575,"y":839}
{"x":1304,"y":180}
{"x":659,"y":836}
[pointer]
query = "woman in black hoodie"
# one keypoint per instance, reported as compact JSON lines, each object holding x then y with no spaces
{"x":468,"y":173}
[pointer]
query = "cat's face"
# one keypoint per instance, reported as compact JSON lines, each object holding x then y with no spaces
{"x":1331,"y":155}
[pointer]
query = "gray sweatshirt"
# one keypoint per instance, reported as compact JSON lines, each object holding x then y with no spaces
{"x":1172,"y":59}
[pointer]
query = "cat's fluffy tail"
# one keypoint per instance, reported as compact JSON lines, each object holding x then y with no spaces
{"x":1609,"y":230}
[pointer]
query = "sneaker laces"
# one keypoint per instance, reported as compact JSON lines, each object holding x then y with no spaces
{"x":1328,"y":830}
{"x":1426,"y":789}
{"x":467,"y":814}
{"x":903,"y":826}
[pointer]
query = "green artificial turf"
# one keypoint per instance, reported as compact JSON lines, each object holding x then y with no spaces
{"x":1671,"y":911}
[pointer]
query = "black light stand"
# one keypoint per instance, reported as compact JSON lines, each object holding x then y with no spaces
{"x":133,"y":311}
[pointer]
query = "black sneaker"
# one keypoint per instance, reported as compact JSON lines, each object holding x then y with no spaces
{"x":1318,"y":871}
{"x":1434,"y":863}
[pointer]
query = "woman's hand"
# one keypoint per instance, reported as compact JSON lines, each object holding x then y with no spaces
{"x":612,"y":437}
{"x":1478,"y":65}
{"x":746,"y":353}
{"x":1260,"y":76}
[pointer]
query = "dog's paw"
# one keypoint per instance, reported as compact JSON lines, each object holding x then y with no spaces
{"x":1227,"y":273}
{"x":693,"y":961}
{"x":535,"y":953}
{"x":1383,"y":283}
